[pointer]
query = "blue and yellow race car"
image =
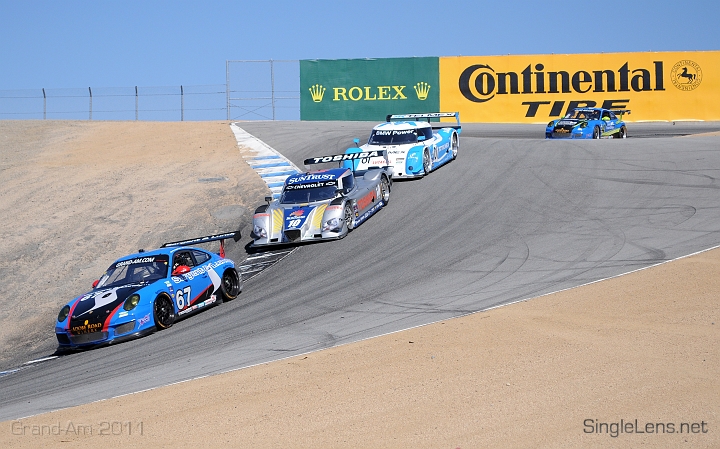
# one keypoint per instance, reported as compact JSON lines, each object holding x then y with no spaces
{"x":148,"y":291}
{"x":588,"y":123}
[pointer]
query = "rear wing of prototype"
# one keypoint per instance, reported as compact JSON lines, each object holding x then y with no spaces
{"x":353,"y":159}
{"x":209,"y":238}
{"x":427,"y":116}
{"x":344,"y":157}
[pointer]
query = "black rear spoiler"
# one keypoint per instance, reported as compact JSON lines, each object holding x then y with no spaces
{"x":427,"y":116}
{"x":344,"y":157}
{"x":620,"y":111}
{"x":209,"y":238}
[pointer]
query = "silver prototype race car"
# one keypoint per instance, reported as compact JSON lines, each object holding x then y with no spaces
{"x":324,"y":204}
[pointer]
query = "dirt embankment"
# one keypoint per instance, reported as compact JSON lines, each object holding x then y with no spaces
{"x":76,"y":195}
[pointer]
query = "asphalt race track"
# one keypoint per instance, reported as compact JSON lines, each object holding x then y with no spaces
{"x":514,"y":217}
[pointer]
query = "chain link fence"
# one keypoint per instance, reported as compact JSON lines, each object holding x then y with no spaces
{"x":254,"y":90}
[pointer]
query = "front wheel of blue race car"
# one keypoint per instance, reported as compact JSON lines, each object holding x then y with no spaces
{"x":230,"y":285}
{"x":348,"y":217}
{"x":385,"y":190}
{"x":427,"y":162}
{"x":454,"y":146}
{"x":164,"y":312}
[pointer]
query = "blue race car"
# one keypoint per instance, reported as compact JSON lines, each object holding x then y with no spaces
{"x":148,"y":291}
{"x":414,"y":147}
{"x":588,"y":123}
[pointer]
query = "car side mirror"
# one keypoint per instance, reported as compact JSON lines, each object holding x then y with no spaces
{"x":181,"y":269}
{"x":356,"y":141}
{"x":96,"y":282}
{"x":268,"y":199}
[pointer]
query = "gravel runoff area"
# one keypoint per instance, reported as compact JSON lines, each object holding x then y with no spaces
{"x":618,"y":363}
{"x":77,"y":195}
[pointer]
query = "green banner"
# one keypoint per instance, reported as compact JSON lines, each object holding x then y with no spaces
{"x":368,"y":89}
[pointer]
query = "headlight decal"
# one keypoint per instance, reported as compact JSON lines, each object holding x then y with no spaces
{"x":277,"y":221}
{"x":317,"y":218}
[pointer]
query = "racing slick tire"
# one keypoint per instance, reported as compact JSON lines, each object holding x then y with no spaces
{"x":427,"y":162}
{"x":596,"y":133}
{"x":163,"y":312}
{"x":623,"y":133}
{"x":385,"y":190}
{"x":454,"y":146}
{"x":348,"y":217}
{"x":230,"y":285}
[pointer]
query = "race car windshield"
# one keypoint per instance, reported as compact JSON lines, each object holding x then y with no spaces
{"x":392,"y":137}
{"x":139,"y":270}
{"x":579,"y":114}
{"x":308,"y":195}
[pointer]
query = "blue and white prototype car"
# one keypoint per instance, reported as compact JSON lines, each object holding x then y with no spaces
{"x":414,"y":147}
{"x":325,"y":204}
{"x":149,"y":291}
{"x":588,"y":123}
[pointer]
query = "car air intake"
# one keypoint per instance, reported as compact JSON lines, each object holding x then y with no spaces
{"x":292,"y":235}
{"x":124,"y":328}
{"x":63,"y":339}
{"x":87,"y":338}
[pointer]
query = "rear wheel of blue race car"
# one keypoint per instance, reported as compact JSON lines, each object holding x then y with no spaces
{"x":164,"y":312}
{"x":623,"y":133}
{"x":427,"y":162}
{"x":596,"y":132}
{"x":455,"y":146}
{"x":230,"y":285}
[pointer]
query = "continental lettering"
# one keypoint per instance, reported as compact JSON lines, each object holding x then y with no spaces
{"x":480,"y":82}
{"x":369,"y":93}
{"x":559,"y":108}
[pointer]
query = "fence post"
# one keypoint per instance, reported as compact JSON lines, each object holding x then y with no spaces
{"x":272,"y":87}
{"x":44,"y":105}
{"x":182,"y":104}
{"x":227,"y":87}
{"x":90,"y":90}
{"x":136,"y":104}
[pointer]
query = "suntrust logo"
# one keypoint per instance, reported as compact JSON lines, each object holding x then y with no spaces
{"x":480,"y":83}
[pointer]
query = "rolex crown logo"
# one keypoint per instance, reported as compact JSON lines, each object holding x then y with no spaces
{"x":422,"y":89}
{"x":316,"y":92}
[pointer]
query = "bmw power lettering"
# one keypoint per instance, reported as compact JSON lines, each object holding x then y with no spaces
{"x":149,"y":291}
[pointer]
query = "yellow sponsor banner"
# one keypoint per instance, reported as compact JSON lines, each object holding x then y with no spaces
{"x":655,"y":86}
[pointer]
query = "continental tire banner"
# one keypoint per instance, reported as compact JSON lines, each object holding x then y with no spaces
{"x":368,"y":89}
{"x":537,"y":88}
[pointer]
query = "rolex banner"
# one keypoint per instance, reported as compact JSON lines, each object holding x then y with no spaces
{"x":368,"y":89}
{"x":663,"y":86}
{"x":655,"y":86}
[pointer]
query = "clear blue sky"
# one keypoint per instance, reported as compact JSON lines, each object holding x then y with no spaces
{"x":110,"y":43}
